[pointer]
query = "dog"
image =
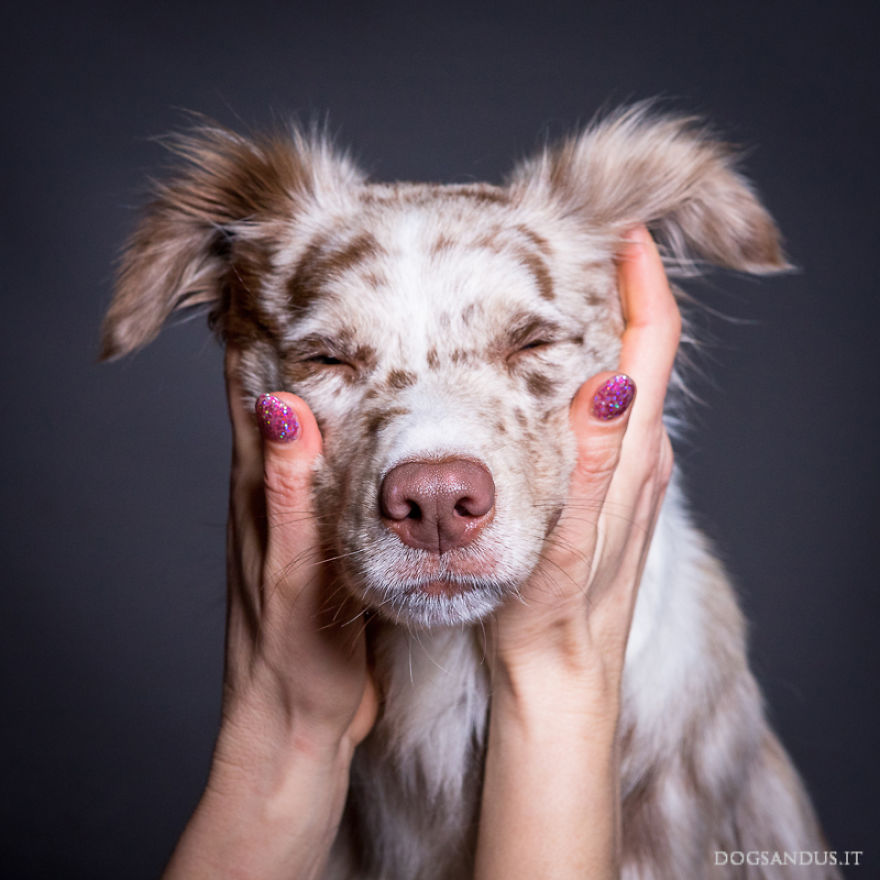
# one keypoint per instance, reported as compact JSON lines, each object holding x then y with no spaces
{"x":448,"y":327}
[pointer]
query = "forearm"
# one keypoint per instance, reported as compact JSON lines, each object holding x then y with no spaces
{"x":270,"y":809}
{"x":551,"y":804}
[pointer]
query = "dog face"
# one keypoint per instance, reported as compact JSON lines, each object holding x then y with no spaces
{"x":438,"y":333}
{"x":439,"y":336}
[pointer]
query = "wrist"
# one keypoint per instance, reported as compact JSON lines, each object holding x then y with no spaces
{"x":552,"y":729}
{"x":557,"y":699}
{"x":271,"y":806}
{"x":566,"y":678}
{"x":260,"y":737}
{"x":568,"y":655}
{"x":271,"y":783}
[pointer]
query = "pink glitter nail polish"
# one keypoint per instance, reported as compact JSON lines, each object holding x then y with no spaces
{"x":613,"y":398}
{"x":278,"y":422}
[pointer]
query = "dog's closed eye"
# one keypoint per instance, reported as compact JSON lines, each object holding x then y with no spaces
{"x":535,"y":343}
{"x":531,"y":334}
{"x":537,"y":346}
{"x":327,"y":360}
{"x":323,"y":353}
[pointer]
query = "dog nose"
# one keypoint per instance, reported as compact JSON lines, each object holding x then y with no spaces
{"x":437,"y":505}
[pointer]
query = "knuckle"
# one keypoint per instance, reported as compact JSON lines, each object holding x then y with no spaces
{"x":598,"y":460}
{"x":286,"y":486}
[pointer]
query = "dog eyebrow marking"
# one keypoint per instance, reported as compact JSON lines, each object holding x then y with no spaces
{"x":318,"y":265}
{"x":536,"y":265}
{"x":355,"y":252}
{"x":532,"y":258}
{"x":303,"y":286}
{"x":540,"y":243}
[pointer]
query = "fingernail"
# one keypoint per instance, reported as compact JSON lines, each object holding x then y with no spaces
{"x":613,"y":399}
{"x":278,"y":422}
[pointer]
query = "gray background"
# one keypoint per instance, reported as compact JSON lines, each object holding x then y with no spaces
{"x":113,"y":493}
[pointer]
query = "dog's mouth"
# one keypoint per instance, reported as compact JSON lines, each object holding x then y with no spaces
{"x":448,"y":585}
{"x":443,"y":587}
{"x":443,"y":601}
{"x":437,"y":596}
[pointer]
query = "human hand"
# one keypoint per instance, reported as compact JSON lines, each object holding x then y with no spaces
{"x":298,"y":696}
{"x":577,"y":607}
{"x":551,"y":801}
{"x":296,"y":652}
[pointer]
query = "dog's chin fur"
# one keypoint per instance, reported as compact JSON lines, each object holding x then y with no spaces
{"x":457,"y":322}
{"x":426,"y":604}
{"x":424,"y":590}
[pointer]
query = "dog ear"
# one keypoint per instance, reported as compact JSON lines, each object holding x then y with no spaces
{"x":226,"y":188}
{"x":669,"y":173}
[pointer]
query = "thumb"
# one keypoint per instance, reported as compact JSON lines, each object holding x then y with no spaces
{"x":598,"y":416}
{"x":292,"y":444}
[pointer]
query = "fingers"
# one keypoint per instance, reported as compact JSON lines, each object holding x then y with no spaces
{"x":653,"y":325}
{"x":274,"y":452}
{"x":599,"y":415}
{"x":291,"y":444}
{"x":650,"y":342}
{"x":620,"y":451}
